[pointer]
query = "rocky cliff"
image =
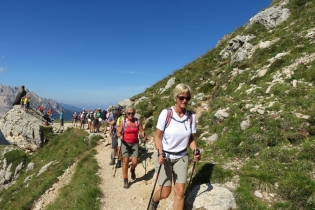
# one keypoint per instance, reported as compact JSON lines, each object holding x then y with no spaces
{"x":8,"y":94}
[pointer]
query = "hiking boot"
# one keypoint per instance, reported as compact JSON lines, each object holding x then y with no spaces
{"x":153,"y":205}
{"x":118,"y":164}
{"x":126,"y":184}
{"x":133,"y":174}
{"x":112,"y":162}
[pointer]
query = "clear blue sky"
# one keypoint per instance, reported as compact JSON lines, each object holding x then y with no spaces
{"x":95,"y":53}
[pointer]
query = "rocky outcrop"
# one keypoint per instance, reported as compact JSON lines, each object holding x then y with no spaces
{"x":271,"y":17}
{"x":23,"y":128}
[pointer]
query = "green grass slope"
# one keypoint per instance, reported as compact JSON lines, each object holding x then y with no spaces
{"x":276,"y":152}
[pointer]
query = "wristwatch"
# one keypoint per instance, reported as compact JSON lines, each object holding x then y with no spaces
{"x":196,"y":151}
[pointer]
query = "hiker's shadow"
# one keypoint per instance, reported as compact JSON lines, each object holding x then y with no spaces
{"x":203,"y":176}
{"x":143,"y":160}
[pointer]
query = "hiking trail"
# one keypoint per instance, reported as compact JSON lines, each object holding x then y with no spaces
{"x":113,"y":195}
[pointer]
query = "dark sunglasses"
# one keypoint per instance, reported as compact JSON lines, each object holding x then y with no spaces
{"x":130,"y":113}
{"x":181,"y":98}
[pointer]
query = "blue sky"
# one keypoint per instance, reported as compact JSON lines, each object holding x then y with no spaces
{"x":95,"y":53}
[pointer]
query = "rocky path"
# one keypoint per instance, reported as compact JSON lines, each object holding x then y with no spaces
{"x":114,"y":196}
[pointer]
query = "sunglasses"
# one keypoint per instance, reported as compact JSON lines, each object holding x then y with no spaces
{"x":130,"y":113}
{"x":181,"y":98}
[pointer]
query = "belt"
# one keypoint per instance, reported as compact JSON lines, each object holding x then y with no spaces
{"x":175,"y":153}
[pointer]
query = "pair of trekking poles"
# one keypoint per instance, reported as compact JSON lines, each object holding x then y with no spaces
{"x":158,"y":173}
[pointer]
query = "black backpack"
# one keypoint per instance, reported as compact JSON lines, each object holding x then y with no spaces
{"x":91,"y":116}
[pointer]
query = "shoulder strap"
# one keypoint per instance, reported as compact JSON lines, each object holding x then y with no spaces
{"x":168,"y":117}
{"x":190,"y":117}
{"x":137,"y":122}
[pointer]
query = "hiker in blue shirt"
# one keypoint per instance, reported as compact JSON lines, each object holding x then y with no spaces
{"x":61,"y":117}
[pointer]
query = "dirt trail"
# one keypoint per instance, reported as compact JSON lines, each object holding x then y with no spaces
{"x":138,"y":194}
{"x":114,"y":196}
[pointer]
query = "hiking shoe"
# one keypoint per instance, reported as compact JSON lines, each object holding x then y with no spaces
{"x":112,"y":162}
{"x":118,"y":164}
{"x":126,"y":184}
{"x":153,"y":205}
{"x":133,"y":174}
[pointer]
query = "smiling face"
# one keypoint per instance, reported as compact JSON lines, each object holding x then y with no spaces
{"x":182,"y":95}
{"x":130,"y":113}
{"x":182,"y":100}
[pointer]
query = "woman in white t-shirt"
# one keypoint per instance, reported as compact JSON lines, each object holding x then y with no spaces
{"x":175,"y":131}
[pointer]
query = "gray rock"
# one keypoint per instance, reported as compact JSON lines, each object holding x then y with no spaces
{"x":214,"y":197}
{"x":143,"y":98}
{"x":221,"y":114}
{"x":30,"y":167}
{"x":125,"y":102}
{"x":245,"y":124}
{"x":213,"y":137}
{"x":271,"y":17}
{"x":169,"y":84}
{"x":235,"y":44}
{"x":23,"y":128}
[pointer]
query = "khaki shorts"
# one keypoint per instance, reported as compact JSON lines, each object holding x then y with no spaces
{"x":129,"y":150}
{"x":172,"y":170}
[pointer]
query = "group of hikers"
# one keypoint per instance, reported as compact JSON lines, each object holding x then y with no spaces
{"x":174,"y":133}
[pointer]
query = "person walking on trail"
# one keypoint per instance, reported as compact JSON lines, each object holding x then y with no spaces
{"x":97,"y":120}
{"x":175,"y":131}
{"x":50,"y":114}
{"x":61,"y":118}
{"x":113,"y":133}
{"x":120,"y":120}
{"x":74,"y":119}
{"x":82,"y":119}
{"x":90,"y":119}
{"x":128,"y":133}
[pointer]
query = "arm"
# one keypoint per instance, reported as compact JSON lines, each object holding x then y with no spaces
{"x":193,"y":146}
{"x":158,"y":144}
{"x":141,"y":130}
{"x":119,"y":131}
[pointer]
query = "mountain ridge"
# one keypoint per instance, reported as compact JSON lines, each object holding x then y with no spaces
{"x":8,"y":94}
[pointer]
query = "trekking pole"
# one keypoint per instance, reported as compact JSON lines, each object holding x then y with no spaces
{"x":117,"y":158}
{"x":145,"y":165}
{"x":157,"y":177}
{"x":197,"y":152}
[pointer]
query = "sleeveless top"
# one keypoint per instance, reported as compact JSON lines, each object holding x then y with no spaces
{"x":131,"y":132}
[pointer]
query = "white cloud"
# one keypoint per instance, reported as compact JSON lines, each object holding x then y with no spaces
{"x":2,"y":69}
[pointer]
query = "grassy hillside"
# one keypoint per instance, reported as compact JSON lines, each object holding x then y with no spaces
{"x":272,"y":92}
{"x":275,"y":153}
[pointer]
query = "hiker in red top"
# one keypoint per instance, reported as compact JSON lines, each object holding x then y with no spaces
{"x":128,"y":133}
{"x":41,"y":109}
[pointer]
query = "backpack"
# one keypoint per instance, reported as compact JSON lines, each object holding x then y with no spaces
{"x":98,"y":114}
{"x":91,"y":116}
{"x":125,"y":125}
{"x":169,"y":117}
{"x":104,"y":114}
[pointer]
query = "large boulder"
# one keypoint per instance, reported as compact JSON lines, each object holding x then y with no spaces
{"x":23,"y":128}
{"x":210,"y":196}
{"x":270,"y":17}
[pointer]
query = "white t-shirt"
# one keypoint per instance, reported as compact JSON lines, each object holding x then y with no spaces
{"x":176,"y":135}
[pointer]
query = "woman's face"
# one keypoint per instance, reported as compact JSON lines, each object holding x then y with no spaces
{"x":130,"y":113}
{"x":182,"y":100}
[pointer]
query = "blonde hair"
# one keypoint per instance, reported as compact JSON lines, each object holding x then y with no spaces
{"x":181,"y":88}
{"x":130,"y":107}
